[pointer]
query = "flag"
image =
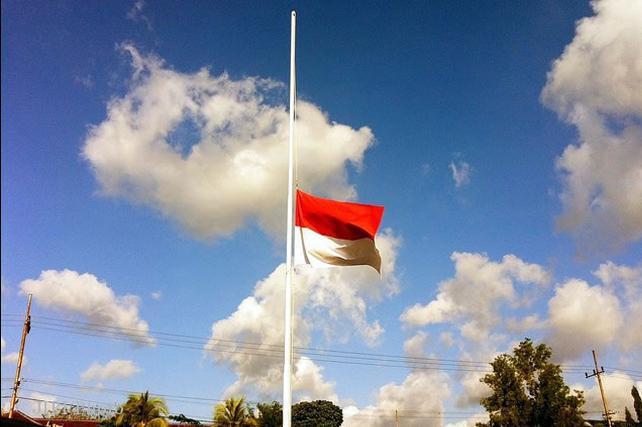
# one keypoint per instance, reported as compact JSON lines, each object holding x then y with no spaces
{"x":333,"y":233}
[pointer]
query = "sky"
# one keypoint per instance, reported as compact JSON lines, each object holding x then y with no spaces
{"x":144,"y":182}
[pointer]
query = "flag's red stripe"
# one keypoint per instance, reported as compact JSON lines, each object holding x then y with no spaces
{"x":341,"y":220}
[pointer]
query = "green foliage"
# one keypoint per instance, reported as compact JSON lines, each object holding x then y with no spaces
{"x":141,"y":410}
{"x":180,"y":418}
{"x":270,"y":415}
{"x":319,"y":413}
{"x":234,"y":412}
{"x":528,"y":390}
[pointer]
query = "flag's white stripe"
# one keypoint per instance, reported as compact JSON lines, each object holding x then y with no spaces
{"x":318,"y":250}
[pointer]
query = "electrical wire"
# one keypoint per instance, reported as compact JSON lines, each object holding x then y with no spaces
{"x":275,"y":351}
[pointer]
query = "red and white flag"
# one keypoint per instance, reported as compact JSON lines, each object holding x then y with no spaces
{"x":333,"y":233}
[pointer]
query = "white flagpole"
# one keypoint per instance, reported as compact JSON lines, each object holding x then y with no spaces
{"x":287,"y":355}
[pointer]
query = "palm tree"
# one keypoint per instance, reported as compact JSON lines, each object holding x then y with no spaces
{"x":234,"y":413}
{"x":141,"y":410}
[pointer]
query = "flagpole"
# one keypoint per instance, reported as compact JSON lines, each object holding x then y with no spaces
{"x":287,"y":354}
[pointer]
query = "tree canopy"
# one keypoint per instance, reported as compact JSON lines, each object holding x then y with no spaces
{"x":234,"y":412}
{"x":142,"y":410}
{"x":270,"y":414}
{"x":528,"y":390}
{"x":637,"y":403}
{"x":319,"y":413}
{"x":180,"y":418}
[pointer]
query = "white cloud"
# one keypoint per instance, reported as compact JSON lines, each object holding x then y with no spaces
{"x":415,"y":346}
{"x":617,"y":388}
{"x":461,"y":173}
{"x":235,"y":172}
{"x":418,"y":400}
{"x":84,"y":294}
{"x":156,"y":295}
{"x":473,"y":297}
{"x":113,"y":370}
{"x":613,"y":275}
{"x":325,"y":300}
{"x":575,"y":324}
{"x":597,"y":86}
{"x":3,"y":343}
{"x":524,"y":324}
{"x":473,"y":389}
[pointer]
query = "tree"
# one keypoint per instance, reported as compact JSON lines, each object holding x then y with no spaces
{"x":637,"y":406}
{"x":630,"y":422}
{"x":319,"y":413}
{"x":637,"y":403}
{"x":528,"y":390}
{"x":270,"y":415}
{"x":70,"y":413}
{"x":234,"y":412}
{"x":180,"y":418}
{"x":141,"y":410}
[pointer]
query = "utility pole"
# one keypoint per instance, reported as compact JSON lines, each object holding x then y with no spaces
{"x":16,"y":383}
{"x":596,"y":373}
{"x":397,"y":418}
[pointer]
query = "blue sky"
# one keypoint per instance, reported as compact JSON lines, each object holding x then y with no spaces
{"x":142,"y":154}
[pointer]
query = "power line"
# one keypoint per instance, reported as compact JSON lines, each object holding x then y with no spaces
{"x":323,"y":355}
{"x":266,"y":350}
{"x":171,"y":397}
{"x":249,"y":345}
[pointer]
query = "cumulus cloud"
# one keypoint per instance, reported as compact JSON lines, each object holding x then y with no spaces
{"x":219,"y":149}
{"x":84,"y":294}
{"x":596,"y":85}
{"x":574,"y":323}
{"x":475,"y":300}
{"x":461,"y":173}
{"x":415,"y":346}
{"x":474,"y":295}
{"x":572,"y":310}
{"x":473,"y":390}
{"x":613,"y":275}
{"x":617,"y":387}
{"x":325,"y":300}
{"x":418,"y":400}
{"x":113,"y":370}
{"x":521,"y":325}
